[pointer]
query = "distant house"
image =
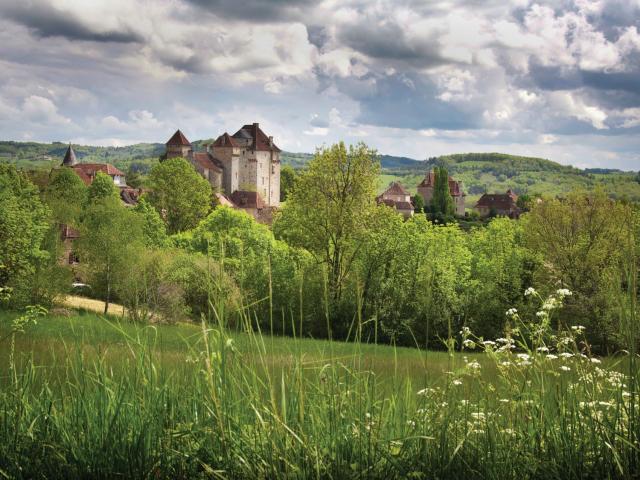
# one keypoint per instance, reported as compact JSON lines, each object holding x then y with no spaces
{"x":498,"y":204}
{"x":395,"y":196}
{"x":88,"y":171}
{"x":425,"y":188}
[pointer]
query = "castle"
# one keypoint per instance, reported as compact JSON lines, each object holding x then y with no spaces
{"x":426,"y":187}
{"x":243,"y":168}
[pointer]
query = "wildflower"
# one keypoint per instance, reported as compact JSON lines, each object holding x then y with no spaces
{"x":512,"y":312}
{"x":564,"y":368}
{"x":457,"y":382}
{"x":506,"y":363}
{"x":466,"y":331}
{"x":541,"y":314}
{"x":503,"y":340}
{"x":542,"y":349}
{"x":468,"y":343}
{"x":477,"y":415}
{"x":504,"y":400}
{"x":551,"y":356}
{"x":565,"y":355}
{"x":489,"y":343}
{"x":578,"y":328}
{"x":425,"y":391}
{"x":530,"y":291}
{"x":596,"y":360}
{"x":523,"y":356}
{"x":563,"y":292}
{"x":411,"y":423}
{"x":474,"y":365}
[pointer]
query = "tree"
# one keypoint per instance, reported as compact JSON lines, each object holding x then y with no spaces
{"x":331,"y":203}
{"x":418,"y":203}
{"x":153,"y":228}
{"x":111,"y":240}
{"x":134,"y":179}
{"x":66,"y":193}
{"x":179,"y":194}
{"x":23,"y":226}
{"x":102,"y":188}
{"x":442,"y":201}
{"x":287,"y":180}
{"x":583,"y":239}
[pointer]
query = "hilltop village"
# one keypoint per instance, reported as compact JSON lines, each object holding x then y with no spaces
{"x":243,"y":170}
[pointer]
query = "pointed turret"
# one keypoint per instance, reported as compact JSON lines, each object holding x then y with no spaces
{"x":69,"y":158}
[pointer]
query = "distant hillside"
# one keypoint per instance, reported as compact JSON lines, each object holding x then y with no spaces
{"x":480,"y":172}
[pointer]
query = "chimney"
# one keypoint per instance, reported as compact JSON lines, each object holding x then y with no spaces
{"x":270,"y":141}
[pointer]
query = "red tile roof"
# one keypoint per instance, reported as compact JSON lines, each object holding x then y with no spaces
{"x":178,"y":138}
{"x":206,"y":160}
{"x":225,"y":140}
{"x":396,"y":188}
{"x":498,"y":201}
{"x":88,"y":171}
{"x":260,"y":140}
{"x":245,"y":199}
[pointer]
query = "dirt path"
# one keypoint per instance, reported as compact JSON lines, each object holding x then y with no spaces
{"x":97,"y":306}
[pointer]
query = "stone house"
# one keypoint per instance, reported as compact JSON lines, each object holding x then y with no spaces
{"x":498,"y":204}
{"x":426,"y":187}
{"x":244,"y":167}
{"x":395,"y":196}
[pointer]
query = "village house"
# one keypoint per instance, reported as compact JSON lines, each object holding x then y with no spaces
{"x":87,"y":173}
{"x":498,"y":204}
{"x":426,"y":187}
{"x":395,"y":196}
{"x":243,"y":168}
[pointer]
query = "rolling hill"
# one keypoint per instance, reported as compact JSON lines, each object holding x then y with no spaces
{"x":480,"y":172}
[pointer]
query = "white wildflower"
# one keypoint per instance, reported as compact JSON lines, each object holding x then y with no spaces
{"x":596,"y":360}
{"x":563,"y":292}
{"x":564,"y":368}
{"x":512,"y":312}
{"x":530,"y":291}
{"x":457,"y":382}
{"x":551,"y":356}
{"x":542,"y":349}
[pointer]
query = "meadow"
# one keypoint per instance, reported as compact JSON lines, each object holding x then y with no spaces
{"x":88,"y":396}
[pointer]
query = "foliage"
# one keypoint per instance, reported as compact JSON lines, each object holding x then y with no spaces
{"x":153,"y":228}
{"x":442,"y":201}
{"x":287,"y":181}
{"x":108,"y":259}
{"x":418,"y":203}
{"x":583,"y":239}
{"x":331,"y":203}
{"x":65,"y":194}
{"x":23,"y":226}
{"x":179,"y":194}
{"x":102,"y":188}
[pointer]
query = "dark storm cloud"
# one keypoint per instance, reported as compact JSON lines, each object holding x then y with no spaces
{"x":395,"y":104}
{"x":46,"y":21}
{"x":256,"y":10}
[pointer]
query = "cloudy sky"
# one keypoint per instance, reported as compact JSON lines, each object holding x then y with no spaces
{"x":557,"y":79}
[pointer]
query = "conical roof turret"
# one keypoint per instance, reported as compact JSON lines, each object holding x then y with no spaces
{"x":69,"y":158}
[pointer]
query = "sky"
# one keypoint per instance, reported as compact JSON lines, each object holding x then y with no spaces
{"x":417,"y":78}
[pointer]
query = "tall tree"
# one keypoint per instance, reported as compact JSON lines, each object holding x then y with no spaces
{"x":110,"y":241}
{"x":287,"y":180}
{"x":66,"y":194}
{"x":418,"y":203}
{"x":331,"y":203}
{"x":153,"y":228}
{"x":442,"y":201}
{"x":23,"y":225}
{"x":179,"y":194}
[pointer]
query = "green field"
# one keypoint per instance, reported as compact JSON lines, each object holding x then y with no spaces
{"x":84,"y":396}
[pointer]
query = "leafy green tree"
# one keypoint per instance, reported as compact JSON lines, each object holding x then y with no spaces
{"x":331,"y":203}
{"x":287,"y":181}
{"x":66,"y":193}
{"x":583,"y":239}
{"x":442,"y":201}
{"x":134,"y":179}
{"x":181,"y":196}
{"x":102,"y":188}
{"x":418,"y":203}
{"x":23,"y":226}
{"x":111,"y":240}
{"x":153,"y":228}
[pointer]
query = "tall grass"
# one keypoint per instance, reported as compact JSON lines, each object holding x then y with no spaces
{"x":549,"y":410}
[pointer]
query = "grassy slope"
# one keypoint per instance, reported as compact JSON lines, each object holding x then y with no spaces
{"x":54,"y":336}
{"x":491,"y":172}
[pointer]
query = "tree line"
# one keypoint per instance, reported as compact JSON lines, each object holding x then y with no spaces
{"x":334,"y":262}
